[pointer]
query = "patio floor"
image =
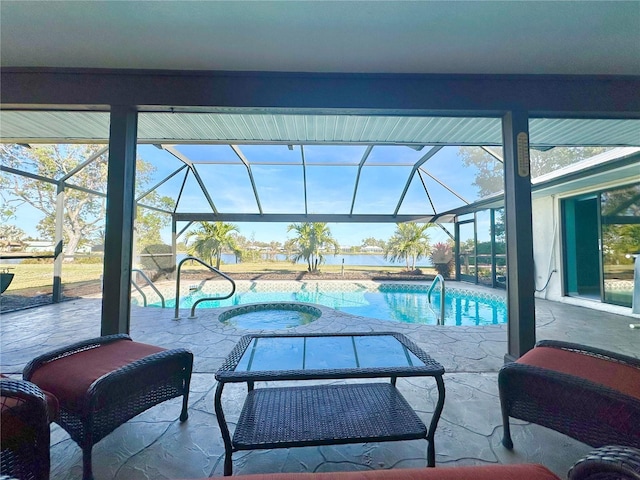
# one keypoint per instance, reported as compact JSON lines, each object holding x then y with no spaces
{"x":155,"y":445}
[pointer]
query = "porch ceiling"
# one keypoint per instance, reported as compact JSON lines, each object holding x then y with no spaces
{"x":315,"y":128}
{"x":488,"y":37}
{"x":331,"y":167}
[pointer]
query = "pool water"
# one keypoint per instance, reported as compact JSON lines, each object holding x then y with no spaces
{"x":413,"y":307}
{"x":270,"y":316}
{"x":396,"y":303}
{"x":270,"y":319}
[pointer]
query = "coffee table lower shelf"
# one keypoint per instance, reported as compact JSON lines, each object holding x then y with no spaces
{"x":325,"y":415}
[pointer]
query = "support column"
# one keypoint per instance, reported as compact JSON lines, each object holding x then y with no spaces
{"x":118,"y":250}
{"x":520,"y":265}
{"x":174,"y":246}
{"x":456,"y":249}
{"x":58,"y":240}
{"x":492,"y":219}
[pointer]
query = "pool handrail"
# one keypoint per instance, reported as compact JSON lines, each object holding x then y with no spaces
{"x":149,"y":282}
{"x":144,"y":297}
{"x":195,"y":304}
{"x":437,"y":278}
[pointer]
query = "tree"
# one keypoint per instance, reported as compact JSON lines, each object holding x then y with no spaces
{"x":621,"y":224}
{"x":9,"y":234}
{"x":490,"y":178}
{"x":10,"y":237}
{"x":273,"y":248}
{"x":246,"y":249}
{"x":311,"y":240}
{"x":373,"y":242}
{"x":149,"y":223}
{"x":83,"y":212}
{"x":211,"y":239}
{"x":410,"y":242}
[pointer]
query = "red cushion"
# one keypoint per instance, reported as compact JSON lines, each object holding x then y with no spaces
{"x":484,"y":472}
{"x":12,"y":425}
{"x":620,"y":377}
{"x":69,"y":378}
{"x":53,"y":408}
{"x":18,"y":424}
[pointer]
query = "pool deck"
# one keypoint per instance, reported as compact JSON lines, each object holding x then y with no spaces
{"x":155,"y":445}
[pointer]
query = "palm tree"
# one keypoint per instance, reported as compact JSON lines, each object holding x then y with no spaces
{"x":312,"y":239}
{"x":211,"y":239}
{"x":410,"y":242}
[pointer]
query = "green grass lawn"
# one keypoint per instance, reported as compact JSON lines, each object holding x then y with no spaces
{"x":40,"y":275}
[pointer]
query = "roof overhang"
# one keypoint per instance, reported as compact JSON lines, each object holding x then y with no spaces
{"x":235,"y":126}
{"x":613,"y":167}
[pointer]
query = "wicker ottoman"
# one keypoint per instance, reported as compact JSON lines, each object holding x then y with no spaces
{"x":589,"y":394}
{"x":103,"y":382}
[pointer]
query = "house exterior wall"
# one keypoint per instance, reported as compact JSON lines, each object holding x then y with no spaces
{"x":546,"y":247}
{"x":548,"y":244}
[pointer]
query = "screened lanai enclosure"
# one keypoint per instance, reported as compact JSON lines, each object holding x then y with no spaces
{"x":356,"y":168}
{"x":343,"y":169}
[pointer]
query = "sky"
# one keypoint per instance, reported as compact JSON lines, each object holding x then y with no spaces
{"x":331,"y":173}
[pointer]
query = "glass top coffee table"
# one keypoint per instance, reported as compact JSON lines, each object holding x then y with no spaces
{"x":326,"y":414}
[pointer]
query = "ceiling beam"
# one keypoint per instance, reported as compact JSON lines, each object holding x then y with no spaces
{"x":242,"y":158}
{"x":415,"y":168}
{"x":183,"y":158}
{"x":304,"y":178}
{"x":300,"y":217}
{"x":593,"y":96}
{"x":161,"y":182}
{"x":495,"y":155}
{"x":366,"y":154}
{"x":451,"y":190}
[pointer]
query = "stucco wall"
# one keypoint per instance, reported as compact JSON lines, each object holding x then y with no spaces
{"x":546,"y":251}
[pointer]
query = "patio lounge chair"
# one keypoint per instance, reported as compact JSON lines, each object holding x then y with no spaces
{"x":103,"y":382}
{"x":589,"y":394}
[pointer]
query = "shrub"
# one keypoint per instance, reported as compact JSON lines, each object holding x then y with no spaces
{"x":442,"y":259}
{"x":157,"y":257}
{"x":35,"y":261}
{"x":89,"y":260}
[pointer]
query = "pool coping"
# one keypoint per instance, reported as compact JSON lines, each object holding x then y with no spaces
{"x":235,"y":310}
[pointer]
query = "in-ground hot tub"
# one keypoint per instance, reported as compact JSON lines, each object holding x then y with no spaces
{"x":270,"y":316}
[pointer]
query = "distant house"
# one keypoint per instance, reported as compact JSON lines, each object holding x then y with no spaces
{"x":10,"y":245}
{"x":372,"y":249}
{"x":38,"y":246}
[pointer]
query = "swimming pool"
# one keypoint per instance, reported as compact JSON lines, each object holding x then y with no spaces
{"x":392,"y":302}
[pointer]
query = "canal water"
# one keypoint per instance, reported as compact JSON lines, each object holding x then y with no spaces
{"x":365,"y":260}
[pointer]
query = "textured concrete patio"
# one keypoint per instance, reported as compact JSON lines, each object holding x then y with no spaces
{"x":155,"y":445}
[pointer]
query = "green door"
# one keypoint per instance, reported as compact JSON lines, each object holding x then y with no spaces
{"x":601,"y":237}
{"x":582,"y":247}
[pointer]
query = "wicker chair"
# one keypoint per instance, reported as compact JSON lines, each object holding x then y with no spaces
{"x":24,"y":430}
{"x":612,"y":462}
{"x":589,"y":394}
{"x":103,"y":382}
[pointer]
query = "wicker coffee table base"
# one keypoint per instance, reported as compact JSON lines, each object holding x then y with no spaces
{"x":325,"y":415}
